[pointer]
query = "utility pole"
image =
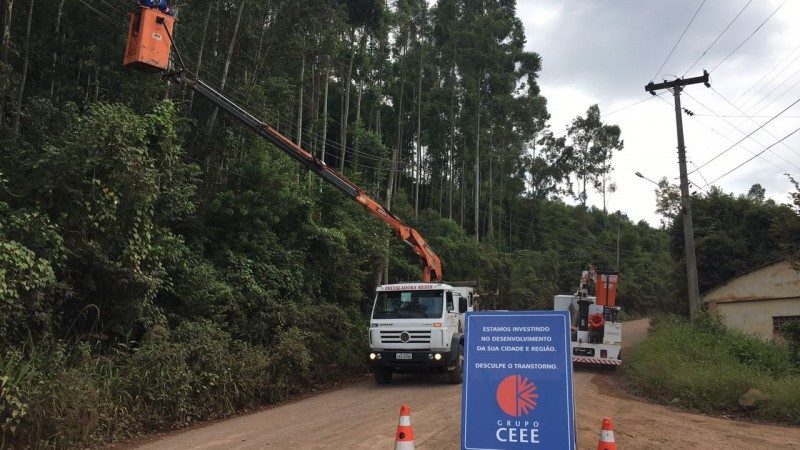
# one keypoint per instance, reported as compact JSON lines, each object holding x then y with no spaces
{"x":686,"y":204}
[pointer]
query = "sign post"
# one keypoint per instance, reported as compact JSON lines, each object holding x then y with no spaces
{"x":517,"y":390}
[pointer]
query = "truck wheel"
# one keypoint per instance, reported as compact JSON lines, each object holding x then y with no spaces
{"x":457,"y":374}
{"x":383,"y":376}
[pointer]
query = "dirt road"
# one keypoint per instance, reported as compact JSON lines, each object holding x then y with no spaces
{"x":364,"y":415}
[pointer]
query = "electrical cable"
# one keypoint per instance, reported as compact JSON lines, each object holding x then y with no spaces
{"x":718,"y":38}
{"x":752,"y":120}
{"x":742,"y":140}
{"x":679,"y":40}
{"x":727,"y":138}
{"x":753,"y":157}
{"x":774,"y":76}
{"x":766,"y":105}
{"x":649,"y":97}
{"x":749,"y":36}
{"x":740,"y":116}
{"x":759,"y":143}
{"x":771,"y":70}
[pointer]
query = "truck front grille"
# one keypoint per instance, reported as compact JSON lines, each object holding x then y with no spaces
{"x":414,"y":337}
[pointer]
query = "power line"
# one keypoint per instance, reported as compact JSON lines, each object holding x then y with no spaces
{"x":739,"y":116}
{"x":728,"y":138}
{"x":753,"y":157}
{"x":679,"y":40}
{"x":718,"y":38}
{"x":630,"y":105}
{"x":753,"y":120}
{"x":748,"y":37}
{"x":779,"y":96}
{"x":742,"y":140}
{"x":732,"y":125}
{"x":764,"y":85}
{"x":788,"y":55}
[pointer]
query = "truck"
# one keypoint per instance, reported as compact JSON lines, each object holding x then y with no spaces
{"x":419,"y":327}
{"x":596,"y":328}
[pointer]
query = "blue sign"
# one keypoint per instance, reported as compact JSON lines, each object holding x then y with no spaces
{"x":517,"y":390}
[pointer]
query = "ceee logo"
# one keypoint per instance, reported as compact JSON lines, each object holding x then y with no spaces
{"x":516,"y":396}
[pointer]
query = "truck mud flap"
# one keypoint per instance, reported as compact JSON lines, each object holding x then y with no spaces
{"x":589,"y":360}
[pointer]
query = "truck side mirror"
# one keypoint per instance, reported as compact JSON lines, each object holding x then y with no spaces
{"x":462,"y":305}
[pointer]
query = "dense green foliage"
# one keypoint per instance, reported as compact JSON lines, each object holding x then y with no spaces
{"x":163,"y":262}
{"x":734,"y":234}
{"x":708,"y":367}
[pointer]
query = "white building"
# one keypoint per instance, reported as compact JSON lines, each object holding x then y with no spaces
{"x":760,"y":300}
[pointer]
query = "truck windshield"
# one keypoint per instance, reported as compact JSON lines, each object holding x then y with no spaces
{"x":414,"y":304}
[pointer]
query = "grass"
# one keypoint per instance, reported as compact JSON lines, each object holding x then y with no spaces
{"x":706,"y":367}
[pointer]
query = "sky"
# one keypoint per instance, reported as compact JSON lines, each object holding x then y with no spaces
{"x":604,"y":52}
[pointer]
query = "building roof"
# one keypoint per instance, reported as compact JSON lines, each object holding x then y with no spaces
{"x":774,"y":280}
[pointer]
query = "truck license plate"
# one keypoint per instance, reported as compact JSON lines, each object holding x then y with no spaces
{"x":403,"y":356}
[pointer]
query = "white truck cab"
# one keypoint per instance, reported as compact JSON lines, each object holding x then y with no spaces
{"x":418,"y":327}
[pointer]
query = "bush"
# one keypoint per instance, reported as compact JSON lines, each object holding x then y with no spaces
{"x":74,"y":394}
{"x":708,"y":367}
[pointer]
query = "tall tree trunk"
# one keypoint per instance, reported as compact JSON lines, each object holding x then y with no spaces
{"x":478,"y":163}
{"x":226,"y":67}
{"x":396,"y":148}
{"x":5,"y":46}
{"x":450,"y":159}
{"x":314,"y":105}
{"x":325,"y":113}
{"x":25,"y":60}
{"x":490,"y":227}
{"x":200,"y":52}
{"x":97,"y":83}
{"x":299,"y":137}
{"x":418,"y":179}
{"x":56,"y":45}
{"x":358,"y":118}
{"x":461,"y":189}
{"x":346,"y":105}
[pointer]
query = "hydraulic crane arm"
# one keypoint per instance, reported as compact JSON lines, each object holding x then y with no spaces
{"x":431,"y":264}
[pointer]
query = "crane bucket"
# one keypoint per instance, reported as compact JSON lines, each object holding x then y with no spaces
{"x":149,"y":39}
{"x":606,"y":288}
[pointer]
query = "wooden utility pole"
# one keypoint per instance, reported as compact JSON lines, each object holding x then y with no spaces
{"x":686,"y":204}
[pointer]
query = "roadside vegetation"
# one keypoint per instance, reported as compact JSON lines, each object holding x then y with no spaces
{"x":161,"y":265}
{"x":707,"y":367}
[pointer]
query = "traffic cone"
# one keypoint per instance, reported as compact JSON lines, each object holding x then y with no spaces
{"x":607,"y":436}
{"x":404,"y":438}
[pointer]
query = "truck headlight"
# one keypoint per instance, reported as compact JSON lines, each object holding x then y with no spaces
{"x":372,"y":356}
{"x":437,"y":356}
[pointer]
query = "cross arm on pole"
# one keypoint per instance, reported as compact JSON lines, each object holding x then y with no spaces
{"x":653,"y":87}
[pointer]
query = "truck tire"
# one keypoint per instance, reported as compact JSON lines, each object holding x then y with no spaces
{"x":457,"y":374}
{"x":383,"y":375}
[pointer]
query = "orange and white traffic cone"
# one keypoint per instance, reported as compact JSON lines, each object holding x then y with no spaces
{"x":404,"y":438}
{"x":607,"y":436}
